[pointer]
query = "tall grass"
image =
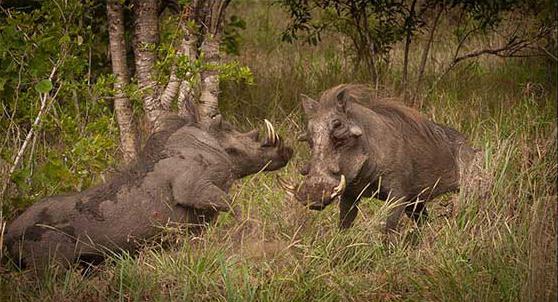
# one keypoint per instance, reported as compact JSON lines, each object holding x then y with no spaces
{"x":500,"y":247}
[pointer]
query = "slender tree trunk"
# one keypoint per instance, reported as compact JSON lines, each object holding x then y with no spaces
{"x":187,"y":48}
{"x":409,"y":24}
{"x":406,"y":67}
{"x":426,"y":49}
{"x":214,"y":12}
{"x":122,"y":106}
{"x":185,"y":91}
{"x":363,"y":41}
{"x":170,"y":91}
{"x":209,"y":99}
{"x":146,"y":40}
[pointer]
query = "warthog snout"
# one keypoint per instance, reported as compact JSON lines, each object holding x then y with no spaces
{"x":316,"y":194}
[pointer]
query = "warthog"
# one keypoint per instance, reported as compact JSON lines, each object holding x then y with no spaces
{"x":182,"y":176}
{"x":362,"y":146}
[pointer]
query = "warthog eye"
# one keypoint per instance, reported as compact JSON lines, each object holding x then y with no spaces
{"x":336,"y":124}
{"x":339,"y":136}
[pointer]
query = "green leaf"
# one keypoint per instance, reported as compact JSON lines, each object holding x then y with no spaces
{"x":44,"y":86}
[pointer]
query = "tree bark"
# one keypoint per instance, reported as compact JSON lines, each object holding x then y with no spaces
{"x":170,"y":91}
{"x":146,"y":40}
{"x":122,"y":105}
{"x":186,"y":90}
{"x":188,"y":49}
{"x":209,"y":100}
{"x":185,"y":99}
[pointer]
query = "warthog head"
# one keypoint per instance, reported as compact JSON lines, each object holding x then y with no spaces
{"x":338,"y":151}
{"x":249,"y":152}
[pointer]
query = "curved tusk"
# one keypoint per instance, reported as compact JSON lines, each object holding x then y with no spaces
{"x":340,"y":187}
{"x":343,"y":183}
{"x":271,"y":135}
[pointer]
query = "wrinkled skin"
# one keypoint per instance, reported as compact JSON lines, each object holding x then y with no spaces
{"x":385,"y":150}
{"x":183,"y":176}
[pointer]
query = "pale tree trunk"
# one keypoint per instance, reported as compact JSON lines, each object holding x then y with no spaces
{"x":214,"y":12}
{"x":146,"y":40}
{"x":170,"y":91}
{"x":209,"y":98}
{"x":186,"y":90}
{"x":186,"y":96}
{"x":187,"y":48}
{"x":122,"y":105}
{"x":185,"y":101}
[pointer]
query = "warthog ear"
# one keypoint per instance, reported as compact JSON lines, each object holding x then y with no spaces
{"x":308,"y":104}
{"x":342,"y":98}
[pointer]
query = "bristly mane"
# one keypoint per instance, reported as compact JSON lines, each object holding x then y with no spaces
{"x":391,"y":108}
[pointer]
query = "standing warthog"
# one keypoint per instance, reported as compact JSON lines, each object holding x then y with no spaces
{"x":363,"y":146}
{"x":182,"y":176}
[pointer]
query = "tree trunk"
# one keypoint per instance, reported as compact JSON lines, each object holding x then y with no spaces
{"x":426,"y":49}
{"x":122,"y":106}
{"x":188,"y":49}
{"x":409,"y":24}
{"x":185,"y":91}
{"x":214,"y":12}
{"x":170,"y":91}
{"x":209,"y":101}
{"x":146,"y":40}
{"x":406,"y":67}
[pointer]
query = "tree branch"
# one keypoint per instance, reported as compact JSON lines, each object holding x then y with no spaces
{"x":44,"y":106}
{"x":552,"y":56}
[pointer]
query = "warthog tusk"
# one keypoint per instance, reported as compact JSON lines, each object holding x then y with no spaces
{"x":340,"y":187}
{"x":271,"y":135}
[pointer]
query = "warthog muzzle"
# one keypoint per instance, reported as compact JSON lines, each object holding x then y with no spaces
{"x":316,"y":195}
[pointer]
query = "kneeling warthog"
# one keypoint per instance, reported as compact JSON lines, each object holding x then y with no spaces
{"x":182,"y":176}
{"x":363,"y":146}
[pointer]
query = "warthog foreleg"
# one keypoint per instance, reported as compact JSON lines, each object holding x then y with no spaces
{"x":199,"y":193}
{"x":347,"y":211}
{"x":417,"y":211}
